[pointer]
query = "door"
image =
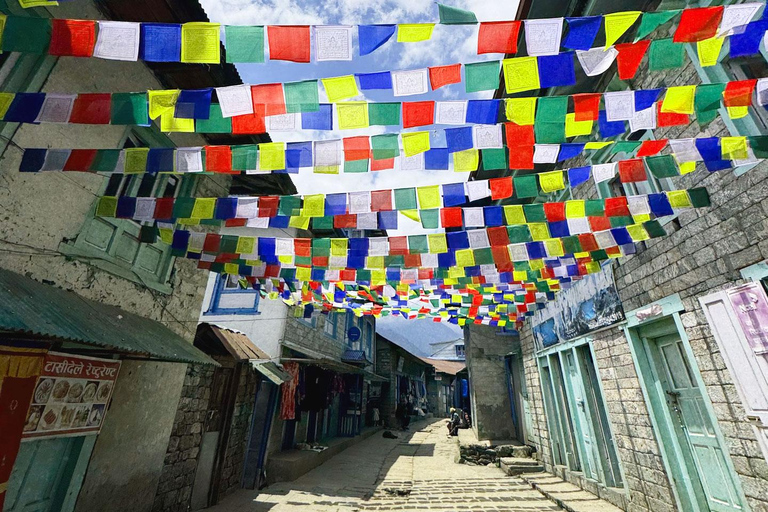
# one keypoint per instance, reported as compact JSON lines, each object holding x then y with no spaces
{"x":565,"y":415}
{"x":704,"y":459}
{"x":43,"y":473}
{"x":514,"y":389}
{"x":551,"y":413}
{"x":585,"y":437}
{"x":265,"y":406}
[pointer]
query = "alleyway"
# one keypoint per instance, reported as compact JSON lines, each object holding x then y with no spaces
{"x":415,"y":472}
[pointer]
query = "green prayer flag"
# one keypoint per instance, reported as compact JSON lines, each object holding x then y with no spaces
{"x":385,"y":146}
{"x":519,"y":234}
{"x":541,"y":286}
{"x":306,"y":261}
{"x":363,"y":276}
{"x":666,"y":54}
{"x":494,"y":159}
{"x":290,"y":205}
{"x":594,"y":208}
{"x":455,"y":16}
{"x":624,"y":146}
{"x":26,"y":34}
{"x":662,"y":166}
{"x":482,"y":76}
{"x":526,"y":186}
{"x":244,"y":44}
{"x":106,"y":207}
{"x":105,"y":160}
{"x":484,"y":256}
{"x":322,"y":223}
{"x":384,"y":114}
{"x":599,"y":255}
{"x":394,"y":261}
{"x":148,"y":234}
{"x":521,"y":266}
{"x":417,"y":244}
{"x":130,"y":108}
{"x":244,"y":157}
{"x":653,"y":20}
{"x":534,"y":212}
{"x":699,"y":197}
{"x":405,"y":199}
{"x":654,"y":228}
{"x":228,"y":244}
{"x":549,"y":125}
{"x":301,"y":97}
{"x":759,"y":145}
{"x":182,"y":208}
{"x":430,"y":219}
{"x":321,"y":247}
{"x":215,"y":123}
{"x":706,"y":102}
{"x":621,"y":221}
{"x":571,"y":244}
{"x":356,"y":166}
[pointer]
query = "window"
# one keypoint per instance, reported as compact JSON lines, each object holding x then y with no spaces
{"x":459,"y":350}
{"x":114,"y":244}
{"x":231,"y":297}
{"x":330,"y":325}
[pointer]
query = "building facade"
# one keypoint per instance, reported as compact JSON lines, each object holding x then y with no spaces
{"x":407,"y":381}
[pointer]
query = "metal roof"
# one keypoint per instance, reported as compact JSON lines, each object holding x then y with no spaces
{"x":354,"y":356}
{"x":216,"y":340}
{"x":38,"y":309}
{"x":443,"y":366}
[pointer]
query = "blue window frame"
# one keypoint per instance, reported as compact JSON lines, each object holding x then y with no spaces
{"x":230,"y":299}
{"x":459,"y":350}
{"x":330,"y":327}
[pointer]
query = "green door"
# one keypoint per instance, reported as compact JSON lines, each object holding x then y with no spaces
{"x":584,"y":436}
{"x":706,"y":463}
{"x":42,"y":474}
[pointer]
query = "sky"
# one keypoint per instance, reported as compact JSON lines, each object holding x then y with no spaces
{"x":449,"y":44}
{"x":416,"y":336}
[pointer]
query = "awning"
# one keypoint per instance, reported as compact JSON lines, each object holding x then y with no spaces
{"x":41,"y":310}
{"x":323,"y":361}
{"x":216,"y":340}
{"x":271,"y":371}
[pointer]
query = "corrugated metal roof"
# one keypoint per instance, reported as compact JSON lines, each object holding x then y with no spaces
{"x":354,"y":356}
{"x":238,"y":344}
{"x":443,"y":366}
{"x":38,"y":309}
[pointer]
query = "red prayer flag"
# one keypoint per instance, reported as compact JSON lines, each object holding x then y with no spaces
{"x":451,"y":217}
{"x":698,"y":24}
{"x":588,"y":242}
{"x":288,"y":43}
{"x":236,"y":223}
{"x":519,"y":135}
{"x":91,"y":109}
{"x":218,"y":159}
{"x":498,"y":236}
{"x":381,"y":200}
{"x":270,"y":95}
{"x":631,"y":171}
{"x":268,"y":206}
{"x":302,"y":247}
{"x":651,"y":147}
{"x":586,"y":106}
{"x":383,"y":164}
{"x":418,"y":113}
{"x":444,"y":75}
{"x":250,"y":124}
{"x":616,"y":207}
{"x":320,"y":261}
{"x":426,"y":273}
{"x":670,"y":118}
{"x":498,"y":37}
{"x":398,"y":245}
{"x":599,"y":223}
{"x":501,"y":255}
{"x":739,"y":94}
{"x":629,"y":58}
{"x":357,"y":148}
{"x":345,"y":221}
{"x":163,"y":208}
{"x":554,"y":212}
{"x":80,"y":160}
{"x":75,"y":38}
{"x":501,"y":188}
{"x":412,"y":260}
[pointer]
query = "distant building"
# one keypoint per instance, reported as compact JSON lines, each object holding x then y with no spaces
{"x":448,"y":350}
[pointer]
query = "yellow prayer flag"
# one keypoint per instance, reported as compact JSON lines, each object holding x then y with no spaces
{"x":300,"y":222}
{"x":414,"y":32}
{"x":537,"y":264}
{"x":687,"y":167}
{"x":519,"y":275}
{"x":709,"y":51}
{"x":326,"y":169}
{"x":374,"y":262}
{"x":551,"y":181}
{"x":411,"y":214}
{"x":734,"y":148}
{"x":521,"y":74}
{"x":429,"y":197}
{"x":135,"y":160}
{"x":580,"y":255}
{"x":231,"y":268}
{"x":200,"y":43}
{"x":466,"y":161}
{"x":340,"y":88}
{"x":378,"y":277}
{"x":437,"y":243}
{"x":679,"y":199}
{"x":462,"y":321}
{"x":574,"y":128}
{"x":338,"y":246}
{"x":514,"y":214}
{"x":166,"y":235}
{"x":286,"y":259}
{"x":456,"y":272}
{"x":352,"y":115}
{"x":303,"y":273}
{"x":246,"y":245}
{"x":26,"y":4}
{"x":521,"y":111}
{"x":188,"y":222}
{"x":593,"y":267}
{"x":204,"y":208}
{"x":641,"y":217}
{"x":637,"y":232}
{"x":6,"y":98}
{"x":737,"y":112}
{"x":415,"y":143}
{"x":169,"y":123}
{"x":161,"y":102}
{"x":679,"y":99}
{"x":465,"y":258}
{"x":271,"y":156}
{"x":539,"y":231}
{"x":554,"y":247}
{"x":616,"y":24}
{"x":575,"y":209}
{"x":314,"y":206}
{"x":597,"y":145}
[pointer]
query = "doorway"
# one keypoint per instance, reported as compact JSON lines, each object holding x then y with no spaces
{"x":699,"y":466}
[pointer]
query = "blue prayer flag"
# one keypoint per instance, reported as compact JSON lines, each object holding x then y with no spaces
{"x":320,"y":120}
{"x":536,"y":250}
{"x":126,"y":207}
{"x":388,"y":220}
{"x":336,"y":204}
{"x":226,"y":208}
{"x":446,"y":259}
{"x":659,"y":205}
{"x":748,"y":42}
{"x":494,"y":215}
{"x":280,"y":221}
{"x":25,"y":107}
{"x":569,"y":150}
{"x":453,"y":193}
{"x":194,"y":104}
{"x":160,"y":42}
{"x":646,"y":98}
{"x":356,"y":260}
{"x":160,"y":160}
{"x":33,"y":160}
{"x":180,"y":240}
{"x":457,"y":240}
{"x":578,"y":175}
{"x":371,"y":81}
{"x":483,"y":111}
{"x":458,"y":139}
{"x":711,"y":153}
{"x":559,"y":229}
{"x":609,"y":128}
{"x":556,"y":70}
{"x":370,"y":37}
{"x":298,"y":154}
{"x":358,"y":246}
{"x":582,"y":32}
{"x":621,"y":235}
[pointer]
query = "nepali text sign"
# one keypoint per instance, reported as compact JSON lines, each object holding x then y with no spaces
{"x":751,"y":306}
{"x":71,"y":395}
{"x":587,"y":305}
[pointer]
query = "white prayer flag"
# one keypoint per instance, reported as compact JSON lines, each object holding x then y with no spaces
{"x":685,"y":150}
{"x":762,"y":91}
{"x":518,"y":252}
{"x":478,"y":238}
{"x":605,"y":239}
{"x":235,"y":100}
{"x":145,"y":209}
{"x":117,"y":40}
{"x":451,"y":112}
{"x":487,"y":136}
{"x":359,"y":202}
{"x":542,"y":36}
{"x":258,"y":222}
{"x":579,"y":226}
{"x":333,"y":43}
{"x":476,"y":190}
{"x":56,"y":108}
{"x":327,"y":153}
{"x":368,"y":220}
{"x":189,"y":160}
{"x":247,"y":207}
{"x":408,"y":83}
{"x":545,"y":153}
{"x":378,"y":247}
{"x":473,"y":218}
{"x":596,"y":61}
{"x":643,"y":120}
{"x":412,"y":163}
{"x":283,"y":123}
{"x":735,"y":16}
{"x":638,"y":205}
{"x":604,"y":172}
{"x":619,"y":106}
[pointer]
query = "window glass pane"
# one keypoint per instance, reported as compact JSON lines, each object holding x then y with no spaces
{"x":113,"y":185}
{"x":147,"y":185}
{"x":171,"y":186}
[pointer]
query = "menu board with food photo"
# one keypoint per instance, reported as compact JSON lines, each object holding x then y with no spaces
{"x":71,"y":395}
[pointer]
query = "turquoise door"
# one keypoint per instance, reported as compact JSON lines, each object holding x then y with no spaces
{"x":47,"y":475}
{"x":704,"y":460}
{"x":585,"y":437}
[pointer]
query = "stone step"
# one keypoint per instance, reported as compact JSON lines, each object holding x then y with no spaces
{"x":514,"y":450}
{"x":566,"y":495}
{"x":514,"y":466}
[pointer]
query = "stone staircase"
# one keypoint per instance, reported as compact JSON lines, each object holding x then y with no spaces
{"x":512,"y":457}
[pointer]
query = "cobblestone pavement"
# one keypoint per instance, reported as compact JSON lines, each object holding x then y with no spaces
{"x":413,"y":473}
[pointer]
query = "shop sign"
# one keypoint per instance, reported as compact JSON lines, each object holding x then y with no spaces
{"x":751,"y":306}
{"x":70,"y":396}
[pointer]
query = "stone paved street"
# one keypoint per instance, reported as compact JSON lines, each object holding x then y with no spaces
{"x":415,"y":472}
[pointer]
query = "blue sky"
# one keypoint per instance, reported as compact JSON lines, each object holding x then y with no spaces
{"x":449,"y":44}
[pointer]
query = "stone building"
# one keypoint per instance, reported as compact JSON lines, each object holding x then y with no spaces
{"x":406,"y":376}
{"x":662,"y":407}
